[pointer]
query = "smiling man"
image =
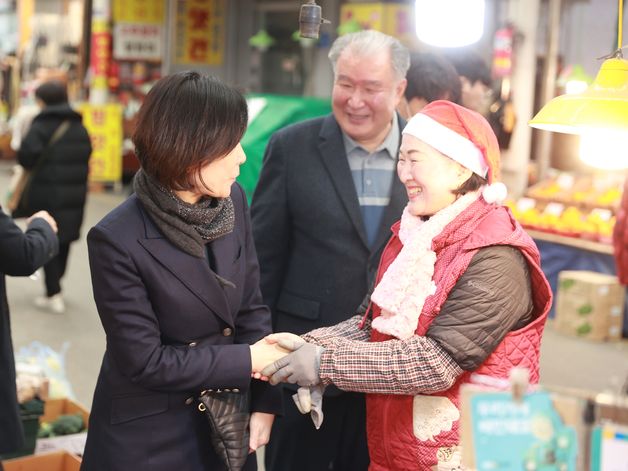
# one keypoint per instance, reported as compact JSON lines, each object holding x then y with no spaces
{"x":322,"y":211}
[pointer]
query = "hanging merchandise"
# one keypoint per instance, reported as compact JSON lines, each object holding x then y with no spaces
{"x":502,"y":115}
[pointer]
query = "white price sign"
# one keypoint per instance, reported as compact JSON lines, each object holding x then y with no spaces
{"x":523,"y":204}
{"x":565,"y":181}
{"x":555,"y":209}
{"x":137,"y":41}
{"x":603,"y":214}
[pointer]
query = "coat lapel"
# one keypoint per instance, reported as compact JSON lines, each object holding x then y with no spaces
{"x":224,"y":251}
{"x":333,"y":154}
{"x":193,"y":272}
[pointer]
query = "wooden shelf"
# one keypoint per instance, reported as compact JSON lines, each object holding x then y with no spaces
{"x":583,"y":244}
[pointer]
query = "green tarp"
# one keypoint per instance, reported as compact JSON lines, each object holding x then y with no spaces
{"x":270,"y":113}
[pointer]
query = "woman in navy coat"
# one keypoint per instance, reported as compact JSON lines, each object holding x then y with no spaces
{"x":21,"y":253}
{"x":176,"y":283}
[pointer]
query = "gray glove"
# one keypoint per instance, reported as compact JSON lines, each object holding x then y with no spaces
{"x":300,"y":367}
{"x":310,"y":399}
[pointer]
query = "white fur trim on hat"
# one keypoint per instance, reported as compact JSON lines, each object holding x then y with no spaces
{"x":448,"y":142}
{"x":495,"y":192}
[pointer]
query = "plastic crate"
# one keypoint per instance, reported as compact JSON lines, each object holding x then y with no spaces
{"x":30,"y":412}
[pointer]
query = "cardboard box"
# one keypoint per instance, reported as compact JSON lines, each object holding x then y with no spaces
{"x":589,"y":305}
{"x":63,"y":406}
{"x":73,"y":443}
{"x":57,"y":461}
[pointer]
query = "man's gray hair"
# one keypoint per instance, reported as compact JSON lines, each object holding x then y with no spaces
{"x":365,"y":43}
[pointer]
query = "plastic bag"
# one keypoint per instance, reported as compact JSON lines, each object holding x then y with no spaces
{"x":51,"y":363}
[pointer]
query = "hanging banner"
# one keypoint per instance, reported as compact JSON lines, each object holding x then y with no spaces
{"x":200,"y":32}
{"x":99,"y":60}
{"x":395,"y":19}
{"x":139,"y":11}
{"x":104,"y":125}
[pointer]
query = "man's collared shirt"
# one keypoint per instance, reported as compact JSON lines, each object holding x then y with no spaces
{"x":373,"y":174}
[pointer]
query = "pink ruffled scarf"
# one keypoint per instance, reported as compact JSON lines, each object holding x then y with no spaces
{"x":408,"y":282}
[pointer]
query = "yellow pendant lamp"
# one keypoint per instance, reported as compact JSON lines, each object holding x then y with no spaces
{"x":602,"y":106}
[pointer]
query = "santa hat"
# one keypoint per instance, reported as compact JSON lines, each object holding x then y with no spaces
{"x":464,"y":136}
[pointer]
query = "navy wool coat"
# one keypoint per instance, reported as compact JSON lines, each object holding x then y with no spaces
{"x":21,"y":253}
{"x":172,"y":331}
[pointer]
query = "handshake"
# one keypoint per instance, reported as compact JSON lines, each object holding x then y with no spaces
{"x":287,"y":358}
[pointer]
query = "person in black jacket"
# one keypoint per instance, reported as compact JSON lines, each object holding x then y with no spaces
{"x":430,"y":77}
{"x":59,"y":183}
{"x":21,"y":253}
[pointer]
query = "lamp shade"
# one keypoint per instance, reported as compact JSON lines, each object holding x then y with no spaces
{"x":603,"y":105}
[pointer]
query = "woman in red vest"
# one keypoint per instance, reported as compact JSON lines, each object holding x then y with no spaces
{"x":459,"y":290}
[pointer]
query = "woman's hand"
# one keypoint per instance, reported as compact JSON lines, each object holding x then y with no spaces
{"x":260,"y":426}
{"x":46,"y":217}
{"x":287,"y":337}
{"x":264,"y":354}
{"x":273,"y":339}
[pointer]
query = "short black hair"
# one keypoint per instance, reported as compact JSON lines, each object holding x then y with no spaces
{"x":473,"y":183}
{"x":432,"y":77}
{"x":470,"y":64}
{"x":186,"y":121}
{"x":53,"y":92}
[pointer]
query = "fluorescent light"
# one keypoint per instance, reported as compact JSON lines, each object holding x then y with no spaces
{"x":449,"y":23}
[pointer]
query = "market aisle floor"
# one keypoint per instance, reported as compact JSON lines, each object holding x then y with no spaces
{"x":565,"y":361}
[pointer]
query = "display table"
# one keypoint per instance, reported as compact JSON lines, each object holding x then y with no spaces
{"x":560,"y":253}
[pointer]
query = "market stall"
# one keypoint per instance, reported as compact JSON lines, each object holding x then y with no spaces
{"x":571,"y":218}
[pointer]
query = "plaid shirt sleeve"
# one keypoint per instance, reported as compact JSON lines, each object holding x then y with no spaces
{"x":349,"y":330}
{"x":418,"y":365}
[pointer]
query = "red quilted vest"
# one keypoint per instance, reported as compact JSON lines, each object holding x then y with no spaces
{"x":391,"y":436}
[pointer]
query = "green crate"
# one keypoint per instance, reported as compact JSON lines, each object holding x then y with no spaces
{"x":29,"y":413}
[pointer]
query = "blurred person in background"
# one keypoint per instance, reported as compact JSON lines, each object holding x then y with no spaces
{"x":59,"y":177}
{"x":176,"y":283}
{"x":21,"y":253}
{"x":322,"y":211}
{"x":430,"y":77}
{"x":475,"y":79}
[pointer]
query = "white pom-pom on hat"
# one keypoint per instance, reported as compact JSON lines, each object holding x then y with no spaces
{"x":495,"y":193}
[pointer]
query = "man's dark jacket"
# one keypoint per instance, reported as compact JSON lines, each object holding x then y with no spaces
{"x":315,"y":261}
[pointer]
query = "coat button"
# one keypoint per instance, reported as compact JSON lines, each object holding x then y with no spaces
{"x":189,"y":401}
{"x":192,"y":344}
{"x":227,"y":332}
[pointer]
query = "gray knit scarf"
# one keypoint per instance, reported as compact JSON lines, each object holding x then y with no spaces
{"x":188,"y":226}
